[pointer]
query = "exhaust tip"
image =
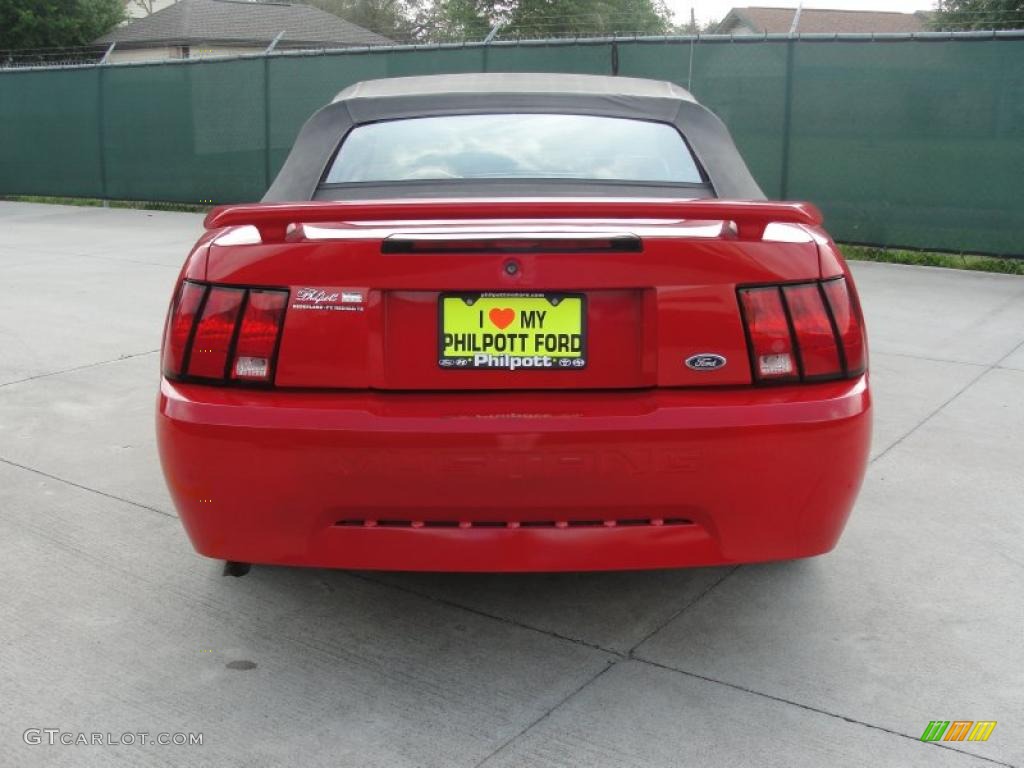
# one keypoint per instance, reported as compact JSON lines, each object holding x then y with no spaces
{"x":232,"y":568}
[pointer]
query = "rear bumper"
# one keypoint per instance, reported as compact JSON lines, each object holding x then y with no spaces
{"x":523,"y":481}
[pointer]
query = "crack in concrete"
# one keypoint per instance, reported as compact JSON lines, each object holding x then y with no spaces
{"x":928,"y":359}
{"x":819,"y":711}
{"x":681,"y":611}
{"x":79,"y":367}
{"x":493,"y":616}
{"x":119,"y":259}
{"x":72,"y":483}
{"x":545,"y":715}
{"x":617,"y":656}
{"x":988,"y":369}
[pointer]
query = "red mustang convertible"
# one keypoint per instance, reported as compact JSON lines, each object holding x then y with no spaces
{"x":514,"y":322}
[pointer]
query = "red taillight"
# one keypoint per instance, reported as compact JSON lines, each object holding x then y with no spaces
{"x":219,"y":333}
{"x":213,"y":335}
{"x":179,"y":326}
{"x":804,"y":331}
{"x":848,"y":325}
{"x":819,"y":354}
{"x":770,"y":338}
{"x":258,"y":335}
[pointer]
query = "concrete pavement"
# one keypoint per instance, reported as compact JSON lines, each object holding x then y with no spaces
{"x":110,"y":623}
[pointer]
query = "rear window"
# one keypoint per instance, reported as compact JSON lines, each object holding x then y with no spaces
{"x":514,"y":146}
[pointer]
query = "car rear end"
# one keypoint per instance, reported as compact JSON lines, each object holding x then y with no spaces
{"x":514,"y":385}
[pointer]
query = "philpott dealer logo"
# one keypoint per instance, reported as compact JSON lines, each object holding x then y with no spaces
{"x":958,"y":730}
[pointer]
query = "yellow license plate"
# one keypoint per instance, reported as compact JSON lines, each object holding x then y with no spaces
{"x":514,"y":331}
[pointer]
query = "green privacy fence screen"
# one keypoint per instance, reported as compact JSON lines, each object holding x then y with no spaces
{"x":915,"y":142}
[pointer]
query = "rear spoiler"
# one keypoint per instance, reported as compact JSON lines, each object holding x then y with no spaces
{"x":750,"y":216}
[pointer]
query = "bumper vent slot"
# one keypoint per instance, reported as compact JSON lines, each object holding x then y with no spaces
{"x":558,"y":524}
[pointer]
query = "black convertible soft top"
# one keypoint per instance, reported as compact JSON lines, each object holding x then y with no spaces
{"x":495,"y":93}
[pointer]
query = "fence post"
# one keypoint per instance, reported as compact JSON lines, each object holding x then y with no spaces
{"x":101,"y":130}
{"x":484,"y":64}
{"x":689,"y":70}
{"x":787,"y":116}
{"x":266,"y":123}
{"x":266,"y":109}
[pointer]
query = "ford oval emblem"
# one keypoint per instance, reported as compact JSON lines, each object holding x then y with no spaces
{"x":705,"y":361}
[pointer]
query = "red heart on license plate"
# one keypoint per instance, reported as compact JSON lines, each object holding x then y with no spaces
{"x":502,"y":317}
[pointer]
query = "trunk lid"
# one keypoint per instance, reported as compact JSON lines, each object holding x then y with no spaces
{"x":393,"y":296}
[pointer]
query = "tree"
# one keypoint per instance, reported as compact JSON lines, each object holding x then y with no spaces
{"x":472,"y":19}
{"x":693,"y":27}
{"x":570,"y":18}
{"x":978,"y":14}
{"x":147,"y":7}
{"x":460,"y":19}
{"x":395,"y":19}
{"x":56,"y":23}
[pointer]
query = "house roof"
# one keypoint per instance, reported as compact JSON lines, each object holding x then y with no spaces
{"x":760,"y":20}
{"x":237,"y":22}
